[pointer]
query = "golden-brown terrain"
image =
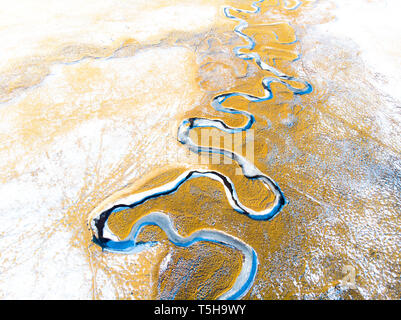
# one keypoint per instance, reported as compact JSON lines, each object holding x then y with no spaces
{"x":92,"y":95}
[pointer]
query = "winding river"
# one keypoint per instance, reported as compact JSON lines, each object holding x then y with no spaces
{"x":98,"y":220}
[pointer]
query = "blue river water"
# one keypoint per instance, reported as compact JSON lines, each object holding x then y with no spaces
{"x":244,"y":281}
